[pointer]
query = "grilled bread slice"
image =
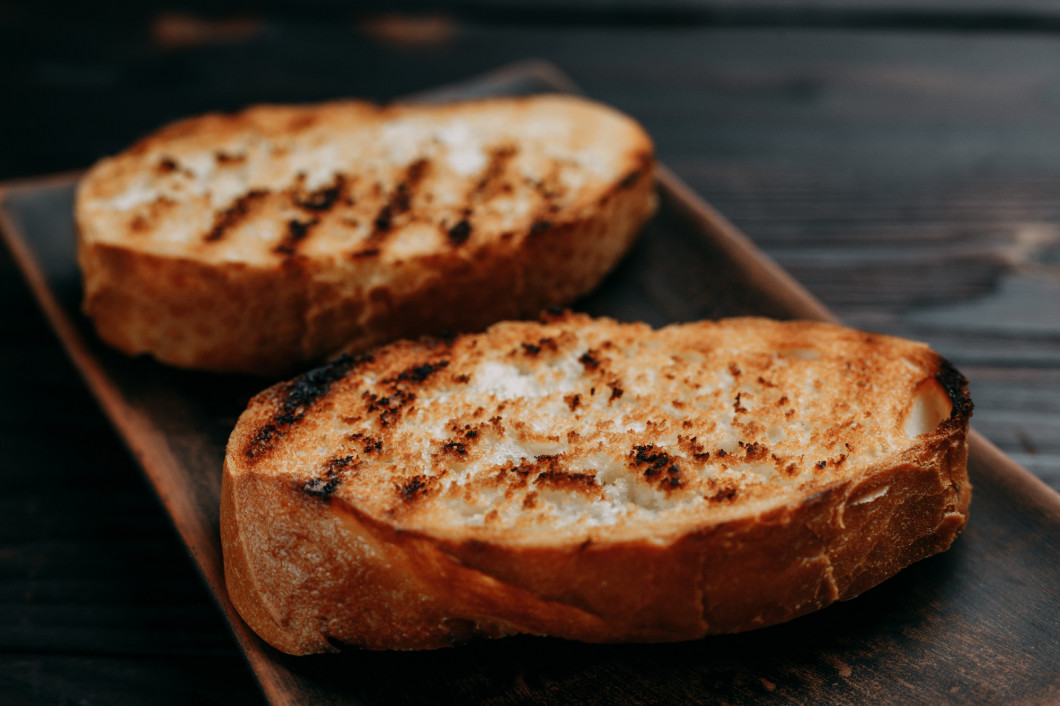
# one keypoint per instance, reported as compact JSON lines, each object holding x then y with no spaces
{"x":589,"y":480}
{"x":265,"y":240}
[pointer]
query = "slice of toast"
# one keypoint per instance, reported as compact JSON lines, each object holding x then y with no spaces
{"x":589,"y":480}
{"x":266,"y":240}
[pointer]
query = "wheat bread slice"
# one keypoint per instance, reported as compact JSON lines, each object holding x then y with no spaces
{"x":266,"y":240}
{"x":589,"y":480}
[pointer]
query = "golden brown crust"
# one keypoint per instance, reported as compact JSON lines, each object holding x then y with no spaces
{"x":265,"y":240}
{"x":333,"y":536}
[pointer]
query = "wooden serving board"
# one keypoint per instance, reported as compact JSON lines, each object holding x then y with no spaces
{"x":976,"y":624}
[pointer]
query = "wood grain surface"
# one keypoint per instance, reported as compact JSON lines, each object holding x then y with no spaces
{"x":905,"y":178}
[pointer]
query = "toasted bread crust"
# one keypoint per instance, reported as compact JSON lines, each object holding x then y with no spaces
{"x":357,"y":544}
{"x":266,"y":240}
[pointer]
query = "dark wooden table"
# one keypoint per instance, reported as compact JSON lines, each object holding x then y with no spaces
{"x":903,"y":165}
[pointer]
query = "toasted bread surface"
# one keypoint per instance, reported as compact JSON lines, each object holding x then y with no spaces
{"x":268,"y":239}
{"x":590,"y":480}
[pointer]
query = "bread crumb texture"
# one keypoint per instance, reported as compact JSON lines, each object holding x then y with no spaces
{"x":581,"y":428}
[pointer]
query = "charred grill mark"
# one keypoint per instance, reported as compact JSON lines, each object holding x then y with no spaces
{"x":459,"y":233}
{"x":296,"y":399}
{"x":419,"y":373}
{"x":401,"y":199}
{"x":324,"y":487}
{"x":231,"y":216}
{"x":296,"y":233}
{"x":322,"y":199}
{"x":493,"y":171}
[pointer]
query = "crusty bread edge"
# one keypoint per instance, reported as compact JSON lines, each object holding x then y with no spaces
{"x":716,"y":578}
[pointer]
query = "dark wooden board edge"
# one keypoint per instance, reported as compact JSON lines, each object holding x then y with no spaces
{"x":279,"y":684}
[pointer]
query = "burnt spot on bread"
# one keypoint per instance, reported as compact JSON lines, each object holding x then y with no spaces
{"x":589,"y":360}
{"x":499,"y":157}
{"x":413,"y":488}
{"x":167,"y":165}
{"x":534,"y":348}
{"x":656,"y":464}
{"x":324,"y":198}
{"x":454,"y":449}
{"x":459,"y":233}
{"x":737,"y":405}
{"x":231,"y":216}
{"x":296,"y":398}
{"x":420,"y":372}
{"x":956,"y":387}
{"x":726,"y":494}
{"x":571,"y":480}
{"x":369,"y":445}
{"x":693,"y":448}
{"x":296,"y":233}
{"x":387,"y":407}
{"x":573,"y":401}
{"x":540,"y":227}
{"x":364,"y":254}
{"x":616,"y":391}
{"x":754,"y":451}
{"x":228,"y":159}
{"x":325,"y":485}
